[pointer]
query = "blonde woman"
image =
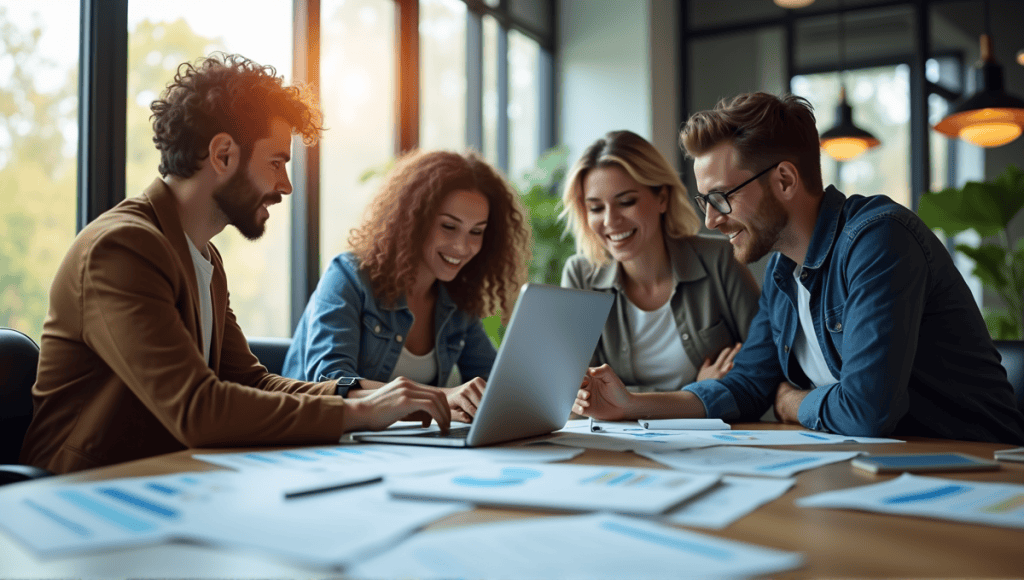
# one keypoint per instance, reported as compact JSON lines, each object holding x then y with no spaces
{"x":683,"y":303}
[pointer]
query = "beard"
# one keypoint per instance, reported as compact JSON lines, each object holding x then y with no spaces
{"x":240,"y":200}
{"x":765,"y":229}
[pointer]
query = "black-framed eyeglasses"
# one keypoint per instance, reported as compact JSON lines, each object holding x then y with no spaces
{"x":720,"y":201}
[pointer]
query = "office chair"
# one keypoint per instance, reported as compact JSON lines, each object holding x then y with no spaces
{"x":19,"y":357}
{"x":271,"y":351}
{"x":1012,"y":352}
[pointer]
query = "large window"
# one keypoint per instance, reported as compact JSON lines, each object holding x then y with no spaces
{"x":442,"y":74}
{"x":357,"y":55}
{"x":880,"y":98}
{"x":523,"y":103}
{"x":38,"y":144}
{"x":162,"y":35}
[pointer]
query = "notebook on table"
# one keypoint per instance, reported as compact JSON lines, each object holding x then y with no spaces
{"x":539,"y":367}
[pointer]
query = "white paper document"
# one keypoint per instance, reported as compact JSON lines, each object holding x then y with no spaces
{"x":391,"y":459}
{"x":993,"y":504}
{"x":640,"y":440}
{"x":782,"y":437}
{"x":729,"y":501}
{"x":747,"y":460}
{"x":593,"y":547}
{"x":560,"y":487}
{"x":250,"y":511}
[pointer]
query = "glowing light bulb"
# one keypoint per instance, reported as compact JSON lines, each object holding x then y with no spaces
{"x":844,"y":148}
{"x":990,"y":134}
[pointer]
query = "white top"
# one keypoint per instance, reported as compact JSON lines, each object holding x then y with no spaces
{"x":204,"y":275}
{"x":659,"y":360}
{"x":805,"y":346}
{"x":422,"y":369}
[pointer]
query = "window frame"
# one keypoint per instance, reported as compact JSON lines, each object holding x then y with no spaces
{"x":103,"y":84}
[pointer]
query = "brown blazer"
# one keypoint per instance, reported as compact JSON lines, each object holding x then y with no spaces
{"x":121,"y":369}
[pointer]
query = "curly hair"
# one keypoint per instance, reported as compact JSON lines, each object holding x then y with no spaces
{"x":226,"y":93}
{"x":403,"y":211}
{"x":644,"y":163}
{"x":764,"y":129}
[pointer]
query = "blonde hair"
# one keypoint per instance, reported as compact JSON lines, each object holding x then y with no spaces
{"x":647,"y":166}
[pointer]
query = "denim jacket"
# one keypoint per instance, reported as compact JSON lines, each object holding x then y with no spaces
{"x":896,"y":324}
{"x":345,"y":332}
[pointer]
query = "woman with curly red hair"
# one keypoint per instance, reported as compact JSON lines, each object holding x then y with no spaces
{"x":444,"y":243}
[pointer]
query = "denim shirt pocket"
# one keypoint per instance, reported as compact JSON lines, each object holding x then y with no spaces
{"x":834,"y":325}
{"x":376,"y":337}
{"x":713,"y":339}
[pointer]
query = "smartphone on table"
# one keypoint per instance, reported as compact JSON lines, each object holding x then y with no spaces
{"x":917,"y":462}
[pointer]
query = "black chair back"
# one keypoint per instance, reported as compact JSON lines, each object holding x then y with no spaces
{"x":1012,"y":352}
{"x":271,"y":351}
{"x":19,"y":357}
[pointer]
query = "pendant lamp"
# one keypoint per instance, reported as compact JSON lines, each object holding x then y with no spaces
{"x":845,"y":140}
{"x":990,"y":117}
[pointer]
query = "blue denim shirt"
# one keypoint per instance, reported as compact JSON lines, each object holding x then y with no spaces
{"x":896,"y":323}
{"x":345,"y":332}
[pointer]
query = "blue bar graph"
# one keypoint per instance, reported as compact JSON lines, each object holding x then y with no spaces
{"x":139,"y":502}
{"x":104,"y":511}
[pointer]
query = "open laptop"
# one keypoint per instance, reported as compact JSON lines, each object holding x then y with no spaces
{"x":540,"y":365}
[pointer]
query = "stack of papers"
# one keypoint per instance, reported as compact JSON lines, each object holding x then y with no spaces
{"x":559,"y":487}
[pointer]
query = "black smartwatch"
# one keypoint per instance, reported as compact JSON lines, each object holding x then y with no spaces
{"x":345,"y":384}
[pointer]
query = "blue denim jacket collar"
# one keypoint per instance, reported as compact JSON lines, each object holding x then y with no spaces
{"x":825,"y":228}
{"x":686,"y":267}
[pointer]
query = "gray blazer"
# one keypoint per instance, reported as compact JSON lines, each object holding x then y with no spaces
{"x":714,"y":302}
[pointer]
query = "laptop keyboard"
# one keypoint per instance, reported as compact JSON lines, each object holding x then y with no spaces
{"x":457,"y":433}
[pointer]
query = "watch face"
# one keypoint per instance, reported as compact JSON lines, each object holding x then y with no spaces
{"x":346,"y":381}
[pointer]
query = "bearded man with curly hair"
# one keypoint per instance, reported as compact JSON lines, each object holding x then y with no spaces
{"x":140,"y":353}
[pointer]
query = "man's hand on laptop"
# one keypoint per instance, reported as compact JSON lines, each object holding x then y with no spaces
{"x":464,"y":399}
{"x":399,"y":399}
{"x":603,"y":396}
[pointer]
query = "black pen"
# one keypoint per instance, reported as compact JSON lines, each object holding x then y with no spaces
{"x":331,"y":487}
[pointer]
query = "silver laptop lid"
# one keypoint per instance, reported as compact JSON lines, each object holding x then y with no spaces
{"x":543,"y":357}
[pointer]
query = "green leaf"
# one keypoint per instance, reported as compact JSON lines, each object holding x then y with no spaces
{"x":1001,"y":325}
{"x":986,"y":208}
{"x":989,"y":264}
{"x":493,"y":328}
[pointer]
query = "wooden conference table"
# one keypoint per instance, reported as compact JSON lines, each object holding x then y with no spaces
{"x":835,"y":543}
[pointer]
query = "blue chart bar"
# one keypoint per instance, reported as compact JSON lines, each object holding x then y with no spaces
{"x":352,"y":451}
{"x":189,"y":479}
{"x":106,"y":512}
{"x":73,"y":526}
{"x":785,"y":464}
{"x":259,"y":457}
{"x":139,"y":502}
{"x":812,"y":436}
{"x":294,"y":455}
{"x":162,"y":488}
{"x":621,"y":478}
{"x":326,"y":452}
{"x":926,"y":495}
{"x":670,"y":542}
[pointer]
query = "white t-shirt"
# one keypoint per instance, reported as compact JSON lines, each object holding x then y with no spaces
{"x":659,"y":361}
{"x":204,"y":275}
{"x":805,"y":346}
{"x":422,"y":369}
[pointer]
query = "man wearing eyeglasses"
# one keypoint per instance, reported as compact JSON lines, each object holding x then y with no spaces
{"x":865,"y":325}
